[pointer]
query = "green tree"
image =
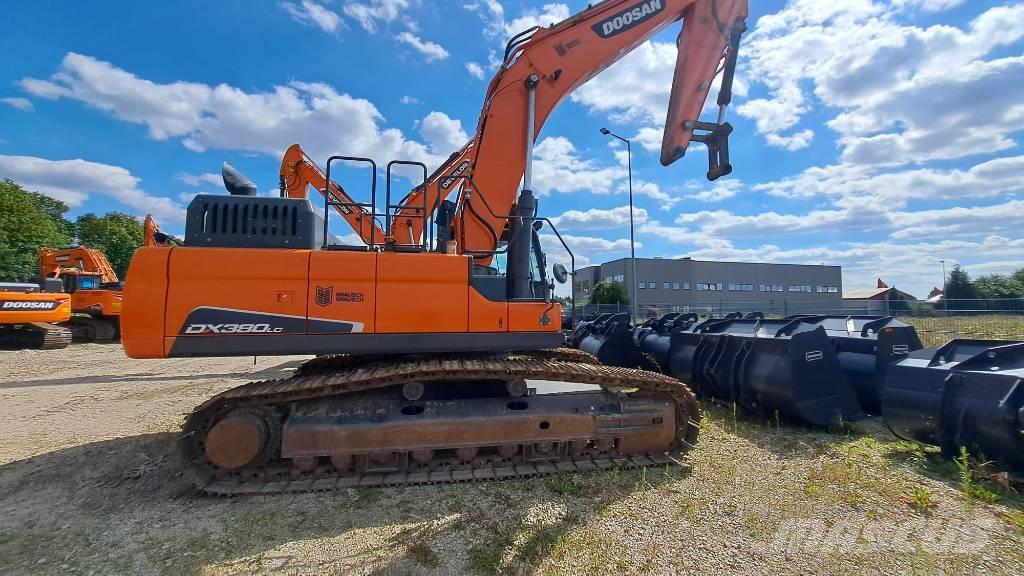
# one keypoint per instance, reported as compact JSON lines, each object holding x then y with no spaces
{"x":28,"y":221}
{"x":1018,"y":276}
{"x":998,"y":286}
{"x":958,"y":285}
{"x":609,"y":293}
{"x":115,"y":234}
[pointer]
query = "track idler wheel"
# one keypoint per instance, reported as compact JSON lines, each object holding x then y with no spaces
{"x":240,"y":438}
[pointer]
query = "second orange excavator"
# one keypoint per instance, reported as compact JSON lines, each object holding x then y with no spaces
{"x":432,"y":330}
{"x":96,"y":292}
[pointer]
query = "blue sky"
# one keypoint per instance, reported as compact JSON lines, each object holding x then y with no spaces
{"x":880,"y":135}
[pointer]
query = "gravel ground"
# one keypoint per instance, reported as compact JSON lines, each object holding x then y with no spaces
{"x":89,"y":484}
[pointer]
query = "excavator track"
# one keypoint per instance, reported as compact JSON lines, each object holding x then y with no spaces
{"x":36,"y":336}
{"x":246,"y":430}
{"x":93,"y":329}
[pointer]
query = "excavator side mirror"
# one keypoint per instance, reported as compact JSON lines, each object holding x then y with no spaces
{"x":560,"y":273}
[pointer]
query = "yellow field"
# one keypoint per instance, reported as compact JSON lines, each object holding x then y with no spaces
{"x":941,"y":329}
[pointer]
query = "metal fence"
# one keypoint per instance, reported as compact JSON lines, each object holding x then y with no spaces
{"x":995,"y":319}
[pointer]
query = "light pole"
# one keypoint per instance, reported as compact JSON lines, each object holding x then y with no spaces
{"x":943,"y":278}
{"x":632,"y":244}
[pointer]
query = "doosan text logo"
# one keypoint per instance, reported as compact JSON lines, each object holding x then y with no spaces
{"x":628,"y":18}
{"x":28,"y":305}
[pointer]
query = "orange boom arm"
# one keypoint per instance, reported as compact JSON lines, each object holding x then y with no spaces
{"x":551,"y":63}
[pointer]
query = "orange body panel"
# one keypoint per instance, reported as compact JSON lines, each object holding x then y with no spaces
{"x":342,"y":287}
{"x":97,"y":302}
{"x":528,"y":317}
{"x":145,"y":302}
{"x":425,"y":292}
{"x":486,"y":316}
{"x":257,"y":280}
{"x":16,"y":307}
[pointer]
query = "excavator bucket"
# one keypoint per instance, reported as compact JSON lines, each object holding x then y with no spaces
{"x":610,"y":340}
{"x":767,"y":366}
{"x":964,"y":393}
{"x":654,"y":337}
{"x":867,"y":345}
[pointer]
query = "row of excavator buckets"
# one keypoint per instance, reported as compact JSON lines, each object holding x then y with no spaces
{"x":820,"y":370}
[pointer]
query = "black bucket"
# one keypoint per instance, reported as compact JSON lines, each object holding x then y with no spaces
{"x":654,"y":337}
{"x":610,"y":340}
{"x":867,"y":345}
{"x":767,"y":366}
{"x":583,"y":327}
{"x":964,"y":393}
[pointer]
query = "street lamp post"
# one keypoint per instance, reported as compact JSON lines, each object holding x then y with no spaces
{"x":632,"y":244}
{"x":943,"y":278}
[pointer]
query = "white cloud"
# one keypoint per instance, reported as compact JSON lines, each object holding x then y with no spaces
{"x":899,"y":93}
{"x":313,"y":13}
{"x":370,"y":14}
{"x":475,"y":70}
{"x":797,"y":141}
{"x":558,"y":167}
{"x":893,"y":189}
{"x":200,"y":179}
{"x":597,"y":219}
{"x":23,"y":104}
{"x":430,"y":50}
{"x":228,"y":118}
{"x":493,"y":15}
{"x":547,"y":15}
{"x":408,"y":100}
{"x":652,"y":191}
{"x":927,"y":5}
{"x":717,"y":191}
{"x":74,"y":180}
{"x":442,"y":134}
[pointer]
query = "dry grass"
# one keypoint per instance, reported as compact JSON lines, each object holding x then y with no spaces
{"x":938,"y":330}
{"x":89,"y":483}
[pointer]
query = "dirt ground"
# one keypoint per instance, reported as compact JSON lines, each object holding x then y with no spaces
{"x":89,"y":484}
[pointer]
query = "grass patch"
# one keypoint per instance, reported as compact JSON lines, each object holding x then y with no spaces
{"x":971,"y":489}
{"x":1015,"y":518}
{"x":921,"y":500}
{"x":565,"y":484}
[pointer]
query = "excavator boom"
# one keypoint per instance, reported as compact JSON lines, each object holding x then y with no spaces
{"x":540,"y":68}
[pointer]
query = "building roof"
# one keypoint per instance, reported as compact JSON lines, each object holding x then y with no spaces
{"x":687,"y":258}
{"x":863,"y":293}
{"x":869,"y":293}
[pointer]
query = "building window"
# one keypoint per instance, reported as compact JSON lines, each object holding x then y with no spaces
{"x":799,"y":288}
{"x":828,"y":289}
{"x":772,"y":288}
{"x":620,"y":278}
{"x":643,"y":285}
{"x":741,"y":287}
{"x":664,"y":285}
{"x":686,"y":285}
{"x":675,"y":285}
{"x":709,"y":287}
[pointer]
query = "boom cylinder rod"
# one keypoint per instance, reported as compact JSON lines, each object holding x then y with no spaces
{"x":531,"y":116}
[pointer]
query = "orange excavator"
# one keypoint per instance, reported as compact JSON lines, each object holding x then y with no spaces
{"x":96,"y":292}
{"x":426,"y":348}
{"x":30,"y":314}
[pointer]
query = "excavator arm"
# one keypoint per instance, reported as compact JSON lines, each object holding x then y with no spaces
{"x":88,"y":260}
{"x":544,"y":65}
{"x":298,"y":172}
